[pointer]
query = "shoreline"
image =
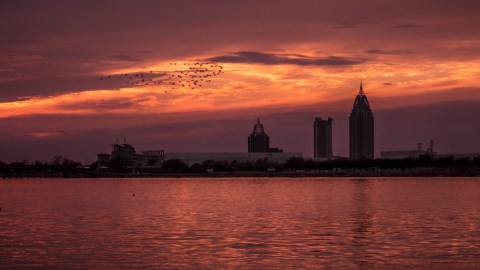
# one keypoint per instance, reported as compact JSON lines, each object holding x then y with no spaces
{"x":248,"y":174}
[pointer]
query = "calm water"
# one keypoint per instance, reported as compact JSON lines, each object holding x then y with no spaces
{"x":344,"y":223}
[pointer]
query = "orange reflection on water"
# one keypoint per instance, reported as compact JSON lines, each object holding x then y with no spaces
{"x":241,"y":223}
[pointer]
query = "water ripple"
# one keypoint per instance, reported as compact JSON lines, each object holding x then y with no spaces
{"x":240,"y":223}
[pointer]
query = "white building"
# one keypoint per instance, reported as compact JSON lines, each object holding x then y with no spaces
{"x":400,"y":154}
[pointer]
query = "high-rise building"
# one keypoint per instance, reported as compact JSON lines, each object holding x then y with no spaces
{"x":361,"y":128}
{"x":258,"y":141}
{"x":322,"y":138}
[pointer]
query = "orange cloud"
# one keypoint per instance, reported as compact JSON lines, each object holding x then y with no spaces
{"x":247,"y":85}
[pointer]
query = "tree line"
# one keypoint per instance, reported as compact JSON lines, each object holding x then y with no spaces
{"x":292,"y":164}
{"x":297,"y":163}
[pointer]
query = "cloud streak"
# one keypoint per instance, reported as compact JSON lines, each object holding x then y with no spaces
{"x":105,"y":105}
{"x":286,"y":59}
{"x":393,"y":52}
{"x":50,"y":86}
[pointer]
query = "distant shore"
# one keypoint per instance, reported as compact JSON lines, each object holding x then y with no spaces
{"x":294,"y":167}
{"x":250,"y":174}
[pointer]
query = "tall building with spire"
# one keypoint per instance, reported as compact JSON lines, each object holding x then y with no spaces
{"x":322,"y":138}
{"x":361,"y":128}
{"x":258,"y":141}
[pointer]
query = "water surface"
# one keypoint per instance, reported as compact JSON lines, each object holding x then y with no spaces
{"x":238,"y":223}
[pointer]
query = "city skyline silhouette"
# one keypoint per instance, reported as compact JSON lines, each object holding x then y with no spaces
{"x":71,"y":81}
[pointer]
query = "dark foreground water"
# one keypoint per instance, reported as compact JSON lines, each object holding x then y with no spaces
{"x":383,"y":223}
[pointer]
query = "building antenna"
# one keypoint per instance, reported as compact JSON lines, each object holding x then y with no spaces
{"x":361,"y":88}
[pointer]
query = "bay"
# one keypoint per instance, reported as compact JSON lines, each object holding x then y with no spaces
{"x":240,"y":223}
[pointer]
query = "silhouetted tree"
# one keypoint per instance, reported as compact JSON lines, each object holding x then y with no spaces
{"x":70,"y":163}
{"x":174,"y":165}
{"x":208,"y":164}
{"x":197,"y":167}
{"x":94,"y":166}
{"x":64,"y":162}
{"x":23,"y":162}
{"x":464,"y":163}
{"x":295,"y":163}
{"x":476,"y":161}
{"x":57,"y":160}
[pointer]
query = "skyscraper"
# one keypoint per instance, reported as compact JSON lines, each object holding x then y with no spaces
{"x":258,"y":141}
{"x":361,"y":128}
{"x":322,"y":138}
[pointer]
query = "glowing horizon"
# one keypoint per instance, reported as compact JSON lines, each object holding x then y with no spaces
{"x":256,"y":85}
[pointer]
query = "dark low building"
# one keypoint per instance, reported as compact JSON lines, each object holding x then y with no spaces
{"x":153,"y":157}
{"x":126,"y":155}
{"x":123,"y":154}
{"x":103,"y":159}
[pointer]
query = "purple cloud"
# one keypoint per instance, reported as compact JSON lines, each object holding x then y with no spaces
{"x":282,"y":59}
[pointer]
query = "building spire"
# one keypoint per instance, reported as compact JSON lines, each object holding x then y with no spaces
{"x":361,"y":93}
{"x":258,"y":127}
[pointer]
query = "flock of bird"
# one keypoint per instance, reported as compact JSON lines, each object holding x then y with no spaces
{"x":186,"y":75}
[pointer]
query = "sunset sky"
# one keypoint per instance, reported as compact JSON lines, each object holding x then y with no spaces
{"x":286,"y":62}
